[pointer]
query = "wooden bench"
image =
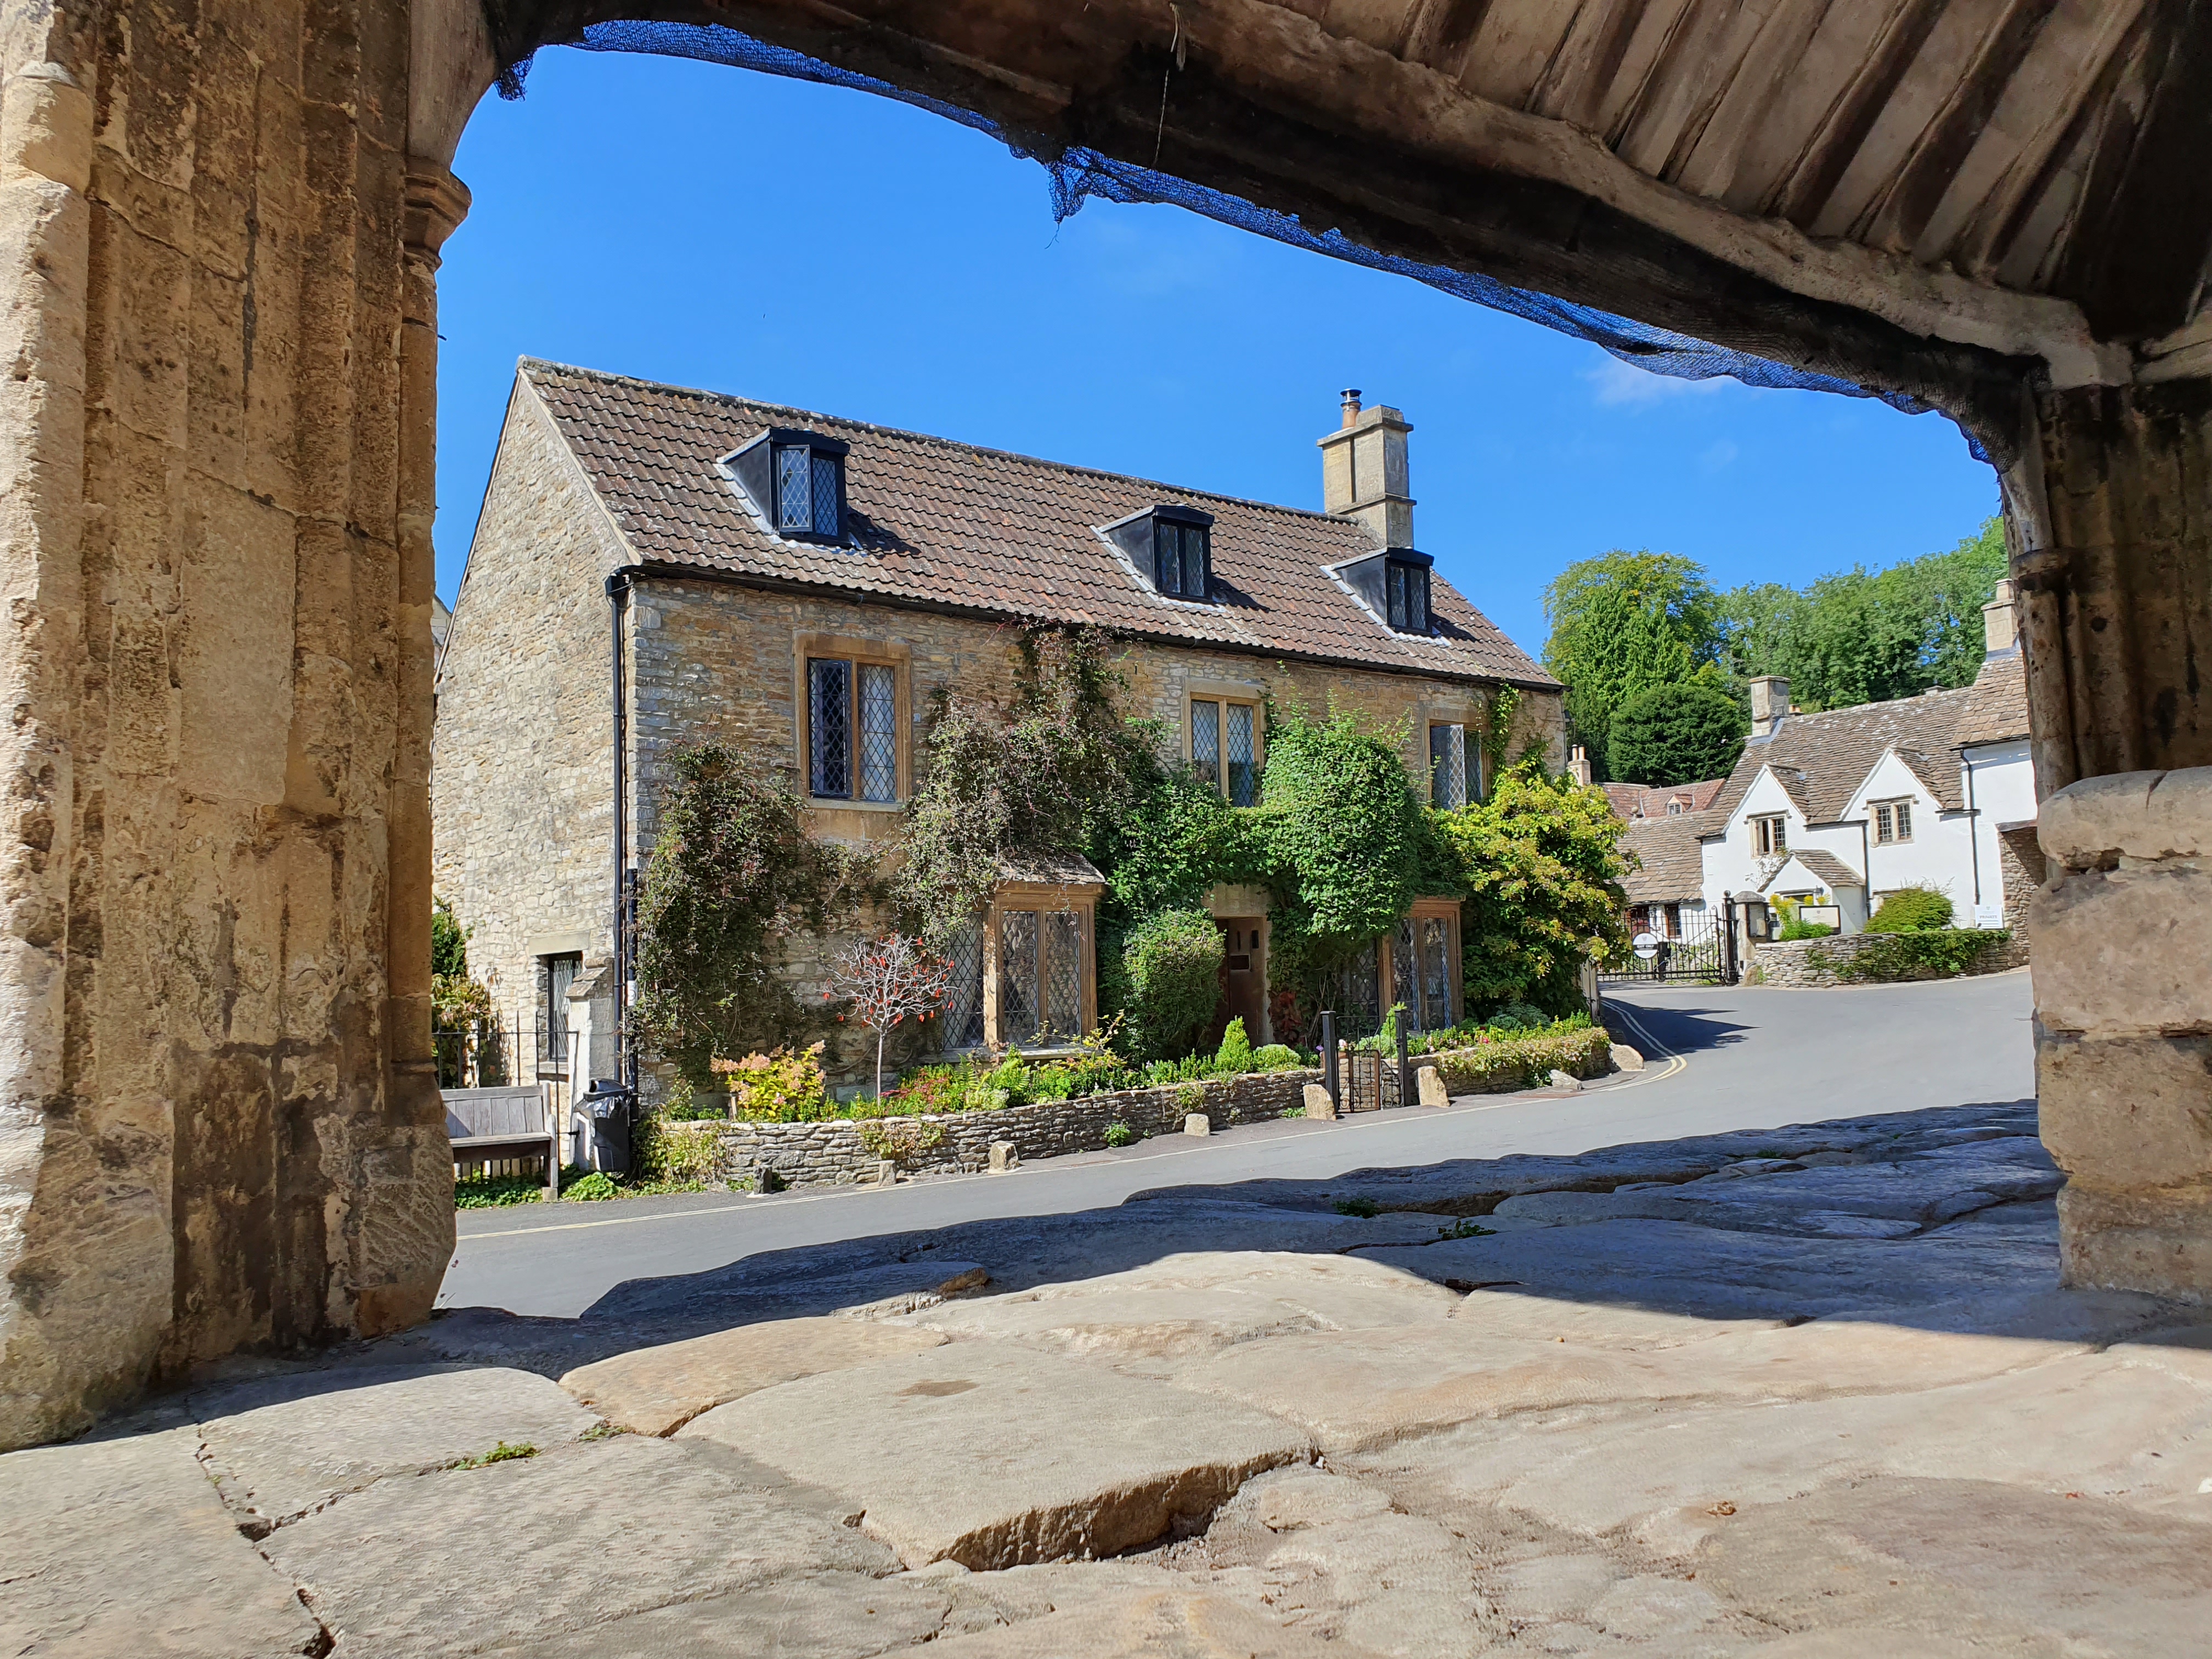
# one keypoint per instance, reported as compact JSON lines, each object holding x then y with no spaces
{"x":512,"y":1122}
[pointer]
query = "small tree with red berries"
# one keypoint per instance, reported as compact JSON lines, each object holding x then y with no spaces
{"x":888,"y":982}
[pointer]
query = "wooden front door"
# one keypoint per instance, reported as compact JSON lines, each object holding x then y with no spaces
{"x":1244,"y":977}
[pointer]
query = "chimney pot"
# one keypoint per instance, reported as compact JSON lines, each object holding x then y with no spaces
{"x":1579,"y":765}
{"x":1351,"y":405}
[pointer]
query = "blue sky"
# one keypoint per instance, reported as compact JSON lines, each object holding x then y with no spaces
{"x":820,"y":248}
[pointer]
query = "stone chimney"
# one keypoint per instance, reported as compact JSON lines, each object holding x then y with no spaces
{"x":1769,"y":702}
{"x":1362,"y":471}
{"x":2000,"y":622}
{"x":1579,"y":765}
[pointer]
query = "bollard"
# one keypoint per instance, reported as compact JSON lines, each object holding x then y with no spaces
{"x":1405,"y":1066}
{"x":1330,"y":1079}
{"x":1004,"y":1158}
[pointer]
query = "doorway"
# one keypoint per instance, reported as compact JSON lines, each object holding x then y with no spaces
{"x":1243,"y":978}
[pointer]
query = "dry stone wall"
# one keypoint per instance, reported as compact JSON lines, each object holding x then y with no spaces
{"x":836,"y":1150}
{"x":1806,"y":963}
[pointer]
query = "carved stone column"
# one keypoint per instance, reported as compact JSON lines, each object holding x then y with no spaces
{"x":2109,"y":514}
{"x":218,"y":1128}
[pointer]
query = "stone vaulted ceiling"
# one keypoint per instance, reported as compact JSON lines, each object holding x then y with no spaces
{"x":1927,"y":195}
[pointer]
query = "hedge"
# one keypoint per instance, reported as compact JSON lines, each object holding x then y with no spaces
{"x":1942,"y":952}
{"x":1523,"y":1062}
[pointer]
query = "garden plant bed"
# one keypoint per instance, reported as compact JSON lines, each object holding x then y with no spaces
{"x":842,"y":1151}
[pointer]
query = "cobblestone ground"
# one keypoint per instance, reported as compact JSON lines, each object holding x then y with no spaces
{"x":1814,"y":1391}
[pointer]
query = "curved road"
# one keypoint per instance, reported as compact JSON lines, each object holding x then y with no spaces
{"x":1724,"y":1058}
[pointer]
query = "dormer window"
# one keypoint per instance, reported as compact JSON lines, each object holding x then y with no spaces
{"x":1407,"y":588}
{"x":795,"y":481}
{"x":1172,"y":547}
{"x":1393,"y":585}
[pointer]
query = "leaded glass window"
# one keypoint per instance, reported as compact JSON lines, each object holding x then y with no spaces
{"x":1063,"y":973}
{"x":1406,"y":588}
{"x":1447,"y":767}
{"x":1436,"y":973}
{"x":878,"y":732}
{"x":1243,"y":761}
{"x":1205,"y":739}
{"x":1179,"y":558}
{"x":794,"y":488}
{"x":963,"y":995}
{"x":829,"y":724}
{"x":1017,"y":976}
{"x":810,"y":490}
{"x":823,"y":494}
{"x":1357,"y":989}
{"x":1405,"y":987}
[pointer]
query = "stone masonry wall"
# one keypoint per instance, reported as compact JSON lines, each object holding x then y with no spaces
{"x":1793,"y":964}
{"x":2123,"y":1027}
{"x":522,"y":777}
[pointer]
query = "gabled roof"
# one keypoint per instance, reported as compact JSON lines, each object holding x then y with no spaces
{"x":1821,"y":759}
{"x":1822,"y":865}
{"x":948,"y":525}
{"x":1631,"y":801}
{"x":1673,"y":861}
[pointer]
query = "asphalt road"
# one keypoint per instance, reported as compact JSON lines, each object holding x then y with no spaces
{"x":1723,"y":1058}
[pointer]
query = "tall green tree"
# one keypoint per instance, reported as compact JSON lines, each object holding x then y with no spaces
{"x":1676,"y":734}
{"x":1870,"y":635}
{"x":1543,"y":869}
{"x":1623,"y":621}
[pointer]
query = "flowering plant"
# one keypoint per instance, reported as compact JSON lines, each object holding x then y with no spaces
{"x":887,"y":981}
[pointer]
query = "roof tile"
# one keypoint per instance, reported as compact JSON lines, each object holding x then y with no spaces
{"x":943,"y":523}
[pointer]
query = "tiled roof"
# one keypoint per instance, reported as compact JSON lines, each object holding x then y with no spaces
{"x":1641,"y":800}
{"x":1996,"y":702}
{"x":1821,"y":759}
{"x":1817,"y":862}
{"x":947,"y":524}
{"x":1673,"y":863}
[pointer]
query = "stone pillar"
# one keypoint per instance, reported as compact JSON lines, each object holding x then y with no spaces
{"x":216,"y":1131}
{"x":2109,"y":514}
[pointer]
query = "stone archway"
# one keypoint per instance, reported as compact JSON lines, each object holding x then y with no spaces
{"x":218,"y":1122}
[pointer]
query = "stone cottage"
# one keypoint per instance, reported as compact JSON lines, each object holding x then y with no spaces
{"x":656,"y":566}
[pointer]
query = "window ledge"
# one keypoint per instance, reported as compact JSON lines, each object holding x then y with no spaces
{"x":832,"y":804}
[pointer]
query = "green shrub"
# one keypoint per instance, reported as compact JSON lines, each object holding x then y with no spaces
{"x":1942,"y":953}
{"x":1173,"y":965}
{"x":596,"y":1185}
{"x":784,"y":1085}
{"x":496,"y":1192}
{"x":1365,"y":1208}
{"x":1119,"y":1133}
{"x":1491,"y":1064}
{"x":1795,"y":930}
{"x":1275,"y":1058}
{"x":1234,"y":1057}
{"x":1159,"y":1073}
{"x":1912,"y":910}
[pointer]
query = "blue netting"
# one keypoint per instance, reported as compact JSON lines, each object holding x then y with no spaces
{"x":1079,"y":173}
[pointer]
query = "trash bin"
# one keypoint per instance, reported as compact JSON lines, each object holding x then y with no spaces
{"x":601,"y":1119}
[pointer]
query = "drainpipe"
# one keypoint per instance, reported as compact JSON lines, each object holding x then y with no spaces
{"x":1866,"y":869}
{"x":1973,"y":837}
{"x":618,"y":591}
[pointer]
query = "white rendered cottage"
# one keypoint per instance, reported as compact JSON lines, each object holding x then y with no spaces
{"x":1847,"y":806}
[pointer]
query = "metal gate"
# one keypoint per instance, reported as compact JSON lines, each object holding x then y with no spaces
{"x":1698,"y":953}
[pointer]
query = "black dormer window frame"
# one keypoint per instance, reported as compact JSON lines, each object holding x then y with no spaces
{"x":1183,"y":554}
{"x":1406,"y":596}
{"x":1171,"y":548}
{"x":795,"y":480}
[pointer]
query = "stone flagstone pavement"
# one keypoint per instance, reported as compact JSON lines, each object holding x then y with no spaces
{"x":1811,"y":1392}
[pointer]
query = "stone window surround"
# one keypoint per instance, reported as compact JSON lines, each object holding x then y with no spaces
{"x":858,"y":649}
{"x":1892,"y":820}
{"x":1770,"y":833}
{"x":1226,"y":692}
{"x":1082,"y":898}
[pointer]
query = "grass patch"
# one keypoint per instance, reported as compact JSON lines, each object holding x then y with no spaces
{"x":1365,"y":1208}
{"x":502,"y":1453}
